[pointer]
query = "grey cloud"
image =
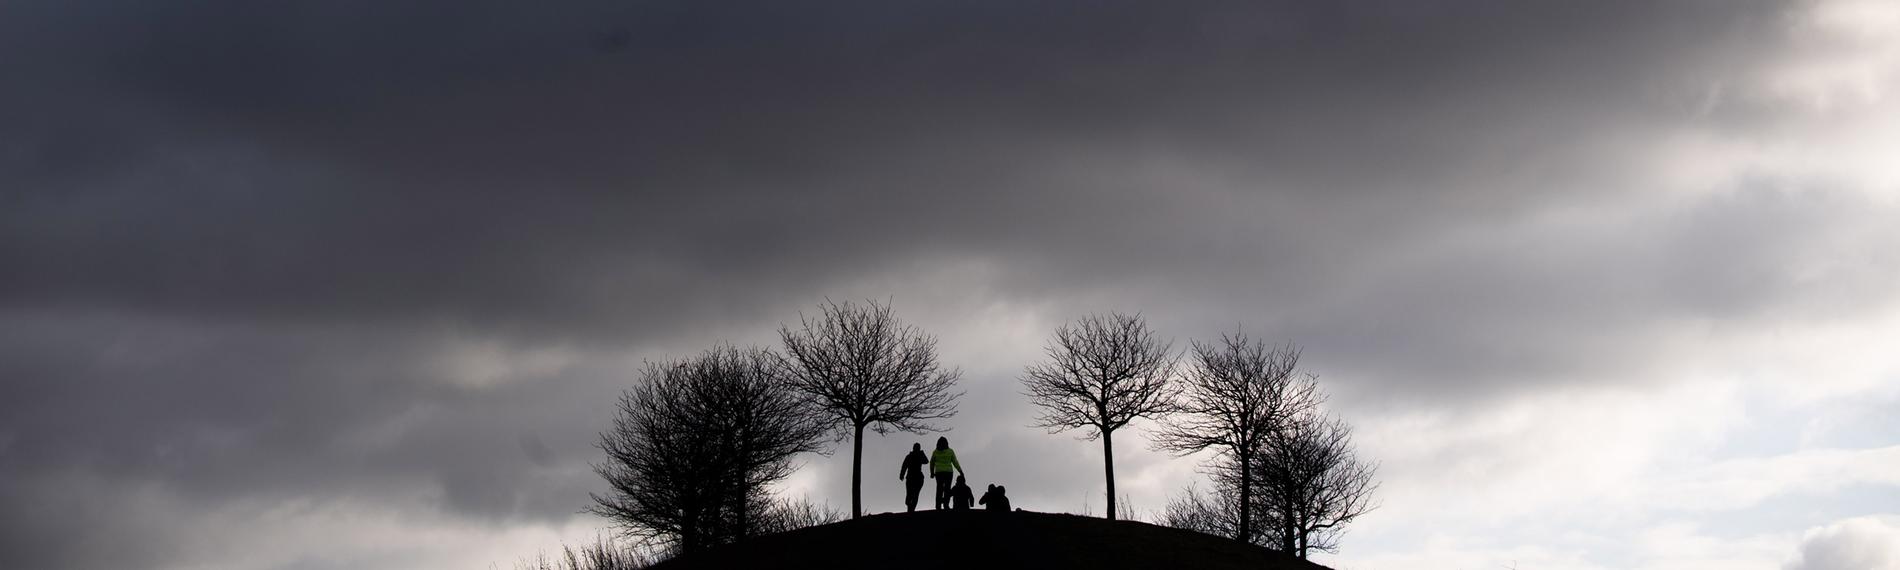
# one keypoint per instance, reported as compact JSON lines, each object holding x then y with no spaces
{"x":237,"y":240}
{"x":73,"y":519}
{"x":206,"y":415}
{"x":1864,"y":544}
{"x":1517,"y":305}
{"x":739,"y":146}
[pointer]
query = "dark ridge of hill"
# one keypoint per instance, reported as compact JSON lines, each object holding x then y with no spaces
{"x":967,"y":540}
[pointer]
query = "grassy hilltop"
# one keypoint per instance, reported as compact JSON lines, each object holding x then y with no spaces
{"x":969,"y":540}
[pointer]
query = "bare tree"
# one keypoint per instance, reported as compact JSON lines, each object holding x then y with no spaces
{"x":1312,"y":483}
{"x":695,"y":444}
{"x":863,"y":368}
{"x":1102,"y":372}
{"x":1236,"y":393}
{"x":604,"y":554}
{"x":1307,"y":484}
{"x":793,"y":514}
{"x":1212,"y":513}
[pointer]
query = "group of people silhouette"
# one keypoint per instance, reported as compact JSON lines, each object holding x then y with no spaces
{"x":943,"y":464}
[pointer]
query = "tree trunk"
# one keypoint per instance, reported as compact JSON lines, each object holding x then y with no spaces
{"x":1302,"y":545}
{"x":857,"y":471}
{"x":1246,"y":499}
{"x":1108,"y":469}
{"x":1299,"y":528}
{"x":689,"y":530}
{"x":745,"y":521}
{"x":1289,"y":531}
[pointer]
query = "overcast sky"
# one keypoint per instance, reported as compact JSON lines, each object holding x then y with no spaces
{"x":352,"y":284}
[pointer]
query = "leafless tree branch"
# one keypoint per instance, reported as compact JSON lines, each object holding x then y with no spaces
{"x":1237,"y":392}
{"x":864,"y":368}
{"x":695,"y":444}
{"x":1102,"y":372}
{"x":1312,"y":483}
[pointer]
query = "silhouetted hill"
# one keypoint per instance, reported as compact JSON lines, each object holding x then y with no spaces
{"x":969,"y":540}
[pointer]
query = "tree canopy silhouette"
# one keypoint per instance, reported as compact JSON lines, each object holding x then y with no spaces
{"x":864,"y":368}
{"x":1312,"y":483}
{"x":1308,"y":484}
{"x":1236,"y":393}
{"x":694,"y":445}
{"x":1101,"y":372}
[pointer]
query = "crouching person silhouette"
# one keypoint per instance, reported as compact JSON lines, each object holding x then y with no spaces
{"x":912,"y":474}
{"x":960,"y":497}
{"x":995,"y":500}
{"x":943,"y":464}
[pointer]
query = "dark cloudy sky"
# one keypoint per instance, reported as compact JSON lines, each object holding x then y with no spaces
{"x":348,"y":284}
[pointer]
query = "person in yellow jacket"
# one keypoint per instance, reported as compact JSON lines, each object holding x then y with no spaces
{"x":944,"y":468}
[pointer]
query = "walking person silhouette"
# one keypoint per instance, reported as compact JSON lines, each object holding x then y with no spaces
{"x":943,"y":462}
{"x":912,"y":474}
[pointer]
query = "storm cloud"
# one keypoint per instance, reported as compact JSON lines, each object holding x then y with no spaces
{"x":371,"y":270}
